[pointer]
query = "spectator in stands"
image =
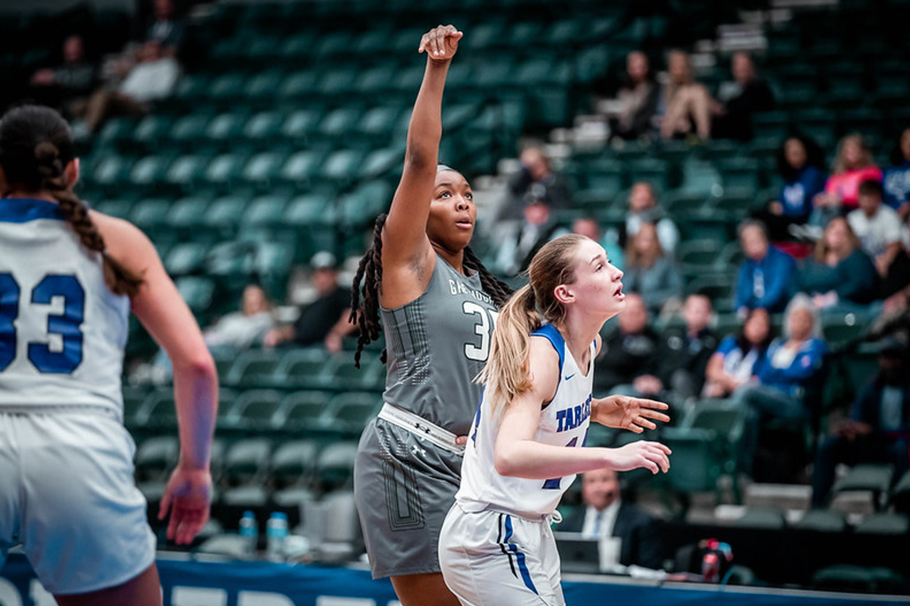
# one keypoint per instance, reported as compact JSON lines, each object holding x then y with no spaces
{"x":643,"y":208}
{"x":605,"y":514}
{"x":895,"y":286}
{"x":651,"y":273}
{"x":788,"y":377}
{"x":738,"y":100}
{"x":629,"y":351}
{"x":325,"y":320}
{"x":682,"y":359}
{"x":896,"y":178}
{"x":739,"y":357}
{"x":799,"y":164}
{"x":165,"y":28}
{"x":590,"y":228}
{"x":68,"y":86}
{"x":536,"y":179}
{"x":153,"y":78}
{"x":636,"y":102}
{"x":685,"y":100}
{"x":852,"y":166}
{"x":241,"y":329}
{"x":766,"y":276}
{"x":516,"y":249}
{"x":877,"y":226}
{"x":839,"y":273}
{"x":879,"y":425}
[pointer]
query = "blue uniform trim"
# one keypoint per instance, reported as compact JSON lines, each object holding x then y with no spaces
{"x":549,"y":332}
{"x":25,"y":210}
{"x":519,"y":557}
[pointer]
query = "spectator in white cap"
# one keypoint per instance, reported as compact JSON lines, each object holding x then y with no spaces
{"x":325,"y":319}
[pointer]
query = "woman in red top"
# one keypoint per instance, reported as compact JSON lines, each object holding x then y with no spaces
{"x":852,"y":166}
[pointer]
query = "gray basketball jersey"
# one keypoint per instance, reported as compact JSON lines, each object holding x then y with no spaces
{"x":436,"y":345}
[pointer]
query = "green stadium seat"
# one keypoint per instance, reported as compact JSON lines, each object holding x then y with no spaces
{"x":301,"y":167}
{"x":150,"y":213}
{"x":889,"y":524}
{"x":683,"y":205}
{"x":263,"y":168}
{"x":299,"y":85}
{"x":226,"y":127}
{"x":867,"y":478}
{"x":361,"y":206}
{"x":333,"y":43}
{"x":340,"y":122}
{"x":486,"y":34}
{"x":264,"y":126}
{"x":303,"y":367}
{"x":265,"y":210}
{"x":697,"y":462}
{"x":697,"y":255}
{"x":308,"y":208}
{"x":653,"y":171}
{"x":378,"y":78}
{"x":373,"y":41}
{"x":225,"y":212}
{"x":823,"y":520}
{"x":353,"y":410}
{"x":225,"y":168}
{"x":495,"y":72}
{"x":764,"y":518}
{"x":700,"y":179}
{"x":340,"y":370}
{"x":254,"y":409}
{"x":150,"y":170}
{"x":380,"y":162}
{"x":115,"y":132}
{"x":408,"y":79}
{"x":185,"y":258}
{"x":900,"y":495}
{"x":565,"y":32}
{"x":155,"y":457}
{"x":303,"y":410}
{"x":296,"y":47}
{"x":152,"y":129}
{"x":159,"y":410}
{"x":339,"y":81}
{"x":226,"y":88}
{"x":341,"y":166}
{"x":740,"y":176}
{"x":294,"y":462}
{"x":301,"y":123}
{"x":186,"y":171}
{"x":246,"y":462}
{"x":335,"y":466}
{"x":772,"y":124}
{"x":379,"y":121}
{"x":187,"y":213}
{"x":274,"y":260}
{"x":191,"y":88}
{"x":858,"y":579}
{"x":115,"y":208}
{"x":112,"y":171}
{"x":189,"y":130}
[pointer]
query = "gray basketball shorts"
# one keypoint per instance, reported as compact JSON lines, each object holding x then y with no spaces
{"x":404,"y":487}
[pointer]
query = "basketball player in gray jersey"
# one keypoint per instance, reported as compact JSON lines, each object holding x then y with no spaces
{"x":438,"y":306}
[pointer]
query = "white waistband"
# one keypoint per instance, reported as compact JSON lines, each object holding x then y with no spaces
{"x":420,"y":427}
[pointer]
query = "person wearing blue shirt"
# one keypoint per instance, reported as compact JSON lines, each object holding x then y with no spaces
{"x":896,"y":178}
{"x":878,"y":430}
{"x":739,"y":357}
{"x":787,"y":379}
{"x":800,"y":164}
{"x":766,"y":276}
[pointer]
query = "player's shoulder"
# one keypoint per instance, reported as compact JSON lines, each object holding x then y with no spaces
{"x":124,"y":241}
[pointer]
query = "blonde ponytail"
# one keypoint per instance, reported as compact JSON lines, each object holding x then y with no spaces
{"x":507,"y":372}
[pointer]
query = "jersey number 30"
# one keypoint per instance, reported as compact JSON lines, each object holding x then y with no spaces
{"x":65,"y":325}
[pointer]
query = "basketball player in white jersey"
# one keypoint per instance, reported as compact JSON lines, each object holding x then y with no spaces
{"x":68,"y":279}
{"x":525,"y":445}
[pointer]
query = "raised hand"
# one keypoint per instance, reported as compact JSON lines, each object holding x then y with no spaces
{"x":440,"y":43}
{"x":626,"y":412}
{"x":187,"y":497}
{"x":653,"y":456}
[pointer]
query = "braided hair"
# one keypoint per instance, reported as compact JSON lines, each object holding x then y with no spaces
{"x":365,"y":310}
{"x":35,"y":148}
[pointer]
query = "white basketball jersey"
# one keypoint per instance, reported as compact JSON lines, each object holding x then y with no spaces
{"x":563,"y":422}
{"x":62,"y":331}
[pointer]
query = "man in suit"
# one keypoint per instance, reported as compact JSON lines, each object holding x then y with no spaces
{"x":606,"y":515}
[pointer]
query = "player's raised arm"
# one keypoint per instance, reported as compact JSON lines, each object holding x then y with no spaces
{"x":162,"y":311}
{"x":405,"y":242}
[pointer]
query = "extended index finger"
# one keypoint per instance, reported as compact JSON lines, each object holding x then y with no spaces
{"x":645,"y":403}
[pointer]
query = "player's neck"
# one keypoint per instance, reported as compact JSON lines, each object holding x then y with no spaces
{"x":453,"y":258}
{"x":30,"y":195}
{"x":579,"y":334}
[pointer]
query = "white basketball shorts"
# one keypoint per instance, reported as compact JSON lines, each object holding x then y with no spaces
{"x":67,"y":493}
{"x":493,"y":558}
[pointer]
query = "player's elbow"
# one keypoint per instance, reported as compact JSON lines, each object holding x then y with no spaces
{"x":505,"y":461}
{"x":197,"y":365}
